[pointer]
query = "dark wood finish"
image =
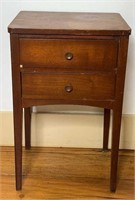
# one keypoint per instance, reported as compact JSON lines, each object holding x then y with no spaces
{"x":17,"y":109}
{"x":69,"y":58}
{"x":106,"y":129}
{"x":27,"y":117}
{"x":36,"y":102}
{"x":52,"y":86}
{"x":69,"y":23}
{"x":117,"y":110}
{"x":86,"y":54}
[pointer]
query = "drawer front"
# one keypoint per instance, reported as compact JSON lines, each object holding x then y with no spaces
{"x":97,"y":55}
{"x":68,"y":86}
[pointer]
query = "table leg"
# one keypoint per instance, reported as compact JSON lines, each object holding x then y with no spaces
{"x":27,"y":117}
{"x":18,"y":146}
{"x":116,"y":125}
{"x":106,"y":129}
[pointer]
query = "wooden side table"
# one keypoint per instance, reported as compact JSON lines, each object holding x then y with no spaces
{"x":68,"y":58}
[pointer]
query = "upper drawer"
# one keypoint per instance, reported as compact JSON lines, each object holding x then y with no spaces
{"x":66,"y":53}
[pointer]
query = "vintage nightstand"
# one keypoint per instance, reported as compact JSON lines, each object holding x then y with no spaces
{"x":68,"y":58}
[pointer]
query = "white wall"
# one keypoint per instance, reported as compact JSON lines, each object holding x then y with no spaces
{"x":68,"y":130}
{"x":11,"y":8}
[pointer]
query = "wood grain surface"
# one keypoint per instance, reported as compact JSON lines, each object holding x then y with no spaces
{"x":69,"y":23}
{"x":88,"y":54}
{"x":53,"y":86}
{"x":66,"y":173}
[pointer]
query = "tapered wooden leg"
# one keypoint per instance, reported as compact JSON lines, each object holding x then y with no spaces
{"x":18,"y":146}
{"x":27,"y":116}
{"x":106,"y":129}
{"x":116,"y":125}
{"x":17,"y":108}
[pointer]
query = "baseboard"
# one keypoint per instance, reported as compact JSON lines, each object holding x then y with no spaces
{"x":68,"y":130}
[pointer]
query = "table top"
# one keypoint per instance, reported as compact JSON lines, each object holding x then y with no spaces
{"x":33,"y":22}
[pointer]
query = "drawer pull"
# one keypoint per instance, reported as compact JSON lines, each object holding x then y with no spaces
{"x":69,"y":56}
{"x":68,"y":88}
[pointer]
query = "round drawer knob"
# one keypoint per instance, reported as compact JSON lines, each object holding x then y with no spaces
{"x":68,"y":88}
{"x":69,"y":56}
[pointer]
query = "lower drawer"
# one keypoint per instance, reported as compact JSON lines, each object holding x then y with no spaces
{"x":68,"y":86}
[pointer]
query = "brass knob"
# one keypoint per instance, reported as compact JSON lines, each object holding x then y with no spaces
{"x":69,"y":56}
{"x":68,"y":88}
